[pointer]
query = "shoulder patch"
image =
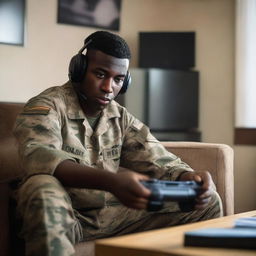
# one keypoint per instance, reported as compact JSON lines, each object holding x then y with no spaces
{"x":37,"y":110}
{"x":137,"y":124}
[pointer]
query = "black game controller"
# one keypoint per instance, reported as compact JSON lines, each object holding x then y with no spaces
{"x":183,"y":192}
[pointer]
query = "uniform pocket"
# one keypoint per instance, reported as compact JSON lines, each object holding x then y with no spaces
{"x":111,"y":158}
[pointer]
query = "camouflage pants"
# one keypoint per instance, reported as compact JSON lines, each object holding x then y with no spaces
{"x":50,"y":226}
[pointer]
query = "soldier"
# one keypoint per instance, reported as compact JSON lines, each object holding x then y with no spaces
{"x":84,"y":156}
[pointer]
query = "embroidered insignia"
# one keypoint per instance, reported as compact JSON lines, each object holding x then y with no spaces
{"x":37,"y":110}
{"x":137,"y":125}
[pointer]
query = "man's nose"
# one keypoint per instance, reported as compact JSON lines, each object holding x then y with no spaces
{"x":107,"y":85}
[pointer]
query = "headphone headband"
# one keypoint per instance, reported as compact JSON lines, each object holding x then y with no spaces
{"x":85,"y":46}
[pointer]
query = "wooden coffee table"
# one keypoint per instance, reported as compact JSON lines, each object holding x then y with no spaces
{"x":169,"y":241}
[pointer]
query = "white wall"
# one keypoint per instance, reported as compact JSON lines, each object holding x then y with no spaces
{"x":43,"y":62}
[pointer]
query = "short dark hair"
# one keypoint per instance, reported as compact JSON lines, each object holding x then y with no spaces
{"x":108,"y":43}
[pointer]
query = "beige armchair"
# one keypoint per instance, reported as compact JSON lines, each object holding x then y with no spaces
{"x":215,"y":158}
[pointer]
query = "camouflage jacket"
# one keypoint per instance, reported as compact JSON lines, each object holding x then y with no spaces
{"x":53,"y":128}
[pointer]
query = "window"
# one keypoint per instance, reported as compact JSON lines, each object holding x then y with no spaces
{"x":245,"y":111}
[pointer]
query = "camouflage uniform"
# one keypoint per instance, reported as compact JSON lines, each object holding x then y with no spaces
{"x":53,"y":128}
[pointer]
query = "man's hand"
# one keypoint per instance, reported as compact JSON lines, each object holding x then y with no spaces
{"x":204,"y":178}
{"x":128,"y":189}
{"x":125,"y":184}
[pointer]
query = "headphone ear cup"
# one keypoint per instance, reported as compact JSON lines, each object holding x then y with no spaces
{"x":126,"y":83}
{"x":77,"y":68}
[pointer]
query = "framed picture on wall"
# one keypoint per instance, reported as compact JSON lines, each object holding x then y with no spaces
{"x":12,"y":19}
{"x":103,"y":14}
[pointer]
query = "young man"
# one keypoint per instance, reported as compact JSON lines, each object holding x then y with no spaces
{"x":84,"y":156}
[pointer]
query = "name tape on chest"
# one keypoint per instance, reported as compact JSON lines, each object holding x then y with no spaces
{"x":73,"y":150}
{"x":112,"y":153}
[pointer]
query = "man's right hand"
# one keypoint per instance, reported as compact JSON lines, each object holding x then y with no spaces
{"x":125,"y":184}
{"x":129,"y":191}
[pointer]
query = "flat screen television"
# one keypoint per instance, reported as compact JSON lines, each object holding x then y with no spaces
{"x":171,"y":50}
{"x":172,"y":100}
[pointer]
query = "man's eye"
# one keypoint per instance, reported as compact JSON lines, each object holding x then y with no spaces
{"x":119,"y":80}
{"x":100,"y":75}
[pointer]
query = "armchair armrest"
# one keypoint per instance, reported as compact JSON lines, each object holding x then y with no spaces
{"x":218,"y":159}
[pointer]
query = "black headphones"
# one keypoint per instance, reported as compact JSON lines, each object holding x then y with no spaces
{"x":78,"y":65}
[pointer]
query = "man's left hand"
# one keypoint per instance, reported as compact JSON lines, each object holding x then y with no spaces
{"x":205,"y":179}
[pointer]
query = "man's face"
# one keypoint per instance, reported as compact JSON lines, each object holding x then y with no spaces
{"x":103,"y":80}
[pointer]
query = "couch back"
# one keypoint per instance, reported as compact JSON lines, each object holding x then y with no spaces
{"x":9,"y":162}
{"x":8,"y":114}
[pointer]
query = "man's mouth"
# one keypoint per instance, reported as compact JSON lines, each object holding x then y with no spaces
{"x":103,"y":100}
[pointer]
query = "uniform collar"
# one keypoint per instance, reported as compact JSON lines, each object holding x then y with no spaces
{"x":111,"y":111}
{"x":74,"y":110}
